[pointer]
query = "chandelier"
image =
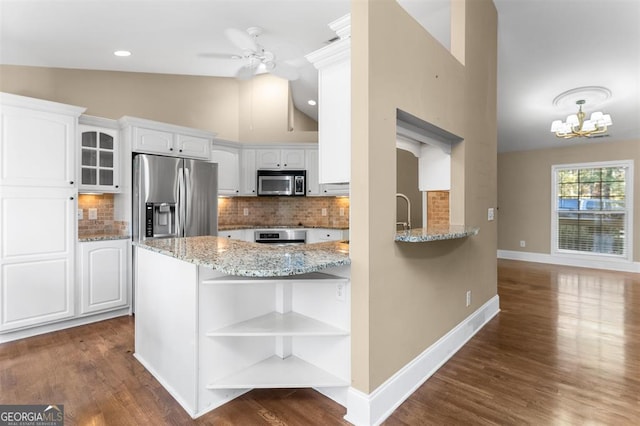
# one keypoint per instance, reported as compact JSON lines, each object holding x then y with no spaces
{"x":577,"y":126}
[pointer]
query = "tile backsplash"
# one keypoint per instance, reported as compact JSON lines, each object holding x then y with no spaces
{"x":290,"y":211}
{"x":104,"y":222}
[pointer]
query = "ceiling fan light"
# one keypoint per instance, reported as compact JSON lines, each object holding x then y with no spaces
{"x":588,"y":126}
{"x":607,"y":120}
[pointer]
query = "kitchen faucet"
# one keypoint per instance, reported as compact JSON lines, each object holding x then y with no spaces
{"x":405,"y":225}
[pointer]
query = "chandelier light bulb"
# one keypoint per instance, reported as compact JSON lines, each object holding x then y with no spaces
{"x":577,"y":126}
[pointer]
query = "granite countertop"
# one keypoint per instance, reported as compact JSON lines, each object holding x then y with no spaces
{"x":232,"y":227}
{"x":421,"y":235}
{"x":246,"y":259}
{"x":102,"y":237}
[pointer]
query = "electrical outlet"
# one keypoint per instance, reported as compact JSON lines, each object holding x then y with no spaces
{"x":341,"y":211}
{"x":340,"y":292}
{"x":245,"y":211}
{"x":468,"y":298}
{"x":80,"y":214}
{"x":523,"y":243}
{"x":93,"y":214}
{"x":324,"y":212}
{"x":490,"y":213}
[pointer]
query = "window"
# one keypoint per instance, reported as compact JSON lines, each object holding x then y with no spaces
{"x":593,"y":209}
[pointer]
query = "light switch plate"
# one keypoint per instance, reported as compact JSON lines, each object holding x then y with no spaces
{"x":490,"y":213}
{"x":93,"y":214}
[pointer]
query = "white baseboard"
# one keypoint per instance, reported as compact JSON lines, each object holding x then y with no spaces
{"x":622,"y":266}
{"x":373,"y":409}
{"x":9,"y":336}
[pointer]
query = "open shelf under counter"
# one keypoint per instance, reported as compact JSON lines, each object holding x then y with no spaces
{"x":276,"y":372}
{"x":423,"y":235}
{"x":278,"y":324}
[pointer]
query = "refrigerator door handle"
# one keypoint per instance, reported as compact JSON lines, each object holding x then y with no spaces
{"x":180,"y":216}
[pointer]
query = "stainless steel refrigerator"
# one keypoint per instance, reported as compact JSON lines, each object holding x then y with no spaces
{"x":174,"y":197}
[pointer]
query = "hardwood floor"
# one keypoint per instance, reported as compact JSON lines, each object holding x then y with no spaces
{"x":565,"y":349}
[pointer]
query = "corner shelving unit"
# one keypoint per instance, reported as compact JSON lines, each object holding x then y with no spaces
{"x":280,"y":332}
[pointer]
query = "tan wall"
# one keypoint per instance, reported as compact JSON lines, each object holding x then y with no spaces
{"x":524,"y":191}
{"x":239,"y":111}
{"x":406,"y":296}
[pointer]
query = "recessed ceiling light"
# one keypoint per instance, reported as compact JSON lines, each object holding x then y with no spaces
{"x":122,"y":53}
{"x":311,"y":102}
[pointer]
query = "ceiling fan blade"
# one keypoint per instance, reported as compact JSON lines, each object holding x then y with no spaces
{"x":285,"y":71}
{"x":241,"y":39}
{"x":219,"y":55}
{"x":245,"y":72}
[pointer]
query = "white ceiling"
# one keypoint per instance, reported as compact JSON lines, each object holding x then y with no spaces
{"x":545,"y":47}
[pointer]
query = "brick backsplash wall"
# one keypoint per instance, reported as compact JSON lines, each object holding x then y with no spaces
{"x":437,"y":209}
{"x":289,"y":211}
{"x":104,"y":224}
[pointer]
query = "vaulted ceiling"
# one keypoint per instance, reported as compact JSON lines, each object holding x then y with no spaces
{"x":546,"y":47}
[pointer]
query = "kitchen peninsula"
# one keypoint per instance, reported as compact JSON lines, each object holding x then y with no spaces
{"x":216,"y":317}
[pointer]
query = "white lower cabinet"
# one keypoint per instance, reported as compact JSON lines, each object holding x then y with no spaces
{"x":37,"y":256}
{"x":318,"y":235}
{"x":103,"y":275}
{"x":237,"y":234}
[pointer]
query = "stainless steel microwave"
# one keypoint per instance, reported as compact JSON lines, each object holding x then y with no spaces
{"x":282,"y":182}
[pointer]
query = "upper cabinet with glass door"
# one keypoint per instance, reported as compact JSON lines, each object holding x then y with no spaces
{"x":99,"y":161}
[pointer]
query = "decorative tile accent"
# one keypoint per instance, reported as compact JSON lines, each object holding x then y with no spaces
{"x":105,"y":223}
{"x":437,"y":209}
{"x":284,"y":211}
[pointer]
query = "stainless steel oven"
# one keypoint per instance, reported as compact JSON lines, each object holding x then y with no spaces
{"x":282,"y":182}
{"x":280,"y":236}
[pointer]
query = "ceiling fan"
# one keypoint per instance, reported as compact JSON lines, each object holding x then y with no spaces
{"x":255,"y":58}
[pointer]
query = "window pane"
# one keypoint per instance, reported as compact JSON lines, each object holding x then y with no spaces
{"x":106,"y":141}
{"x":89,"y":139}
{"x":591,"y":209}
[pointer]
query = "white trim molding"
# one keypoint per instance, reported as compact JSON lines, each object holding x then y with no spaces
{"x":580,"y":262}
{"x":374,"y":408}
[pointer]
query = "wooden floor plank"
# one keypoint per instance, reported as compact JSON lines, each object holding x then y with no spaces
{"x":565,"y":349}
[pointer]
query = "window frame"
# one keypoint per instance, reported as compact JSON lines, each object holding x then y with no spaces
{"x":628,"y":212}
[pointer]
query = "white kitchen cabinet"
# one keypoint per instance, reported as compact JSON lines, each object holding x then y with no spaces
{"x":99,"y":155}
{"x":335,"y":189}
{"x":228,"y":160}
{"x":318,"y":235}
{"x":235,"y":234}
{"x":103,"y":275}
{"x":311,"y":165}
{"x":334,"y":105}
{"x":38,"y":251}
{"x":280,"y":159}
{"x":154,"y":137}
{"x":38,"y":142}
{"x":248,"y":172}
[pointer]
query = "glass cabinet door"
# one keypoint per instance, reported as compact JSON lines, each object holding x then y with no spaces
{"x":98,"y":160}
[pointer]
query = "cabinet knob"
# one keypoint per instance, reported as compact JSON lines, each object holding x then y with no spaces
{"x":285,"y":165}
{"x":117,"y":186}
{"x":278,"y":165}
{"x":71,"y":198}
{"x":170,"y":149}
{"x":237,"y":190}
{"x":180,"y":150}
{"x":328,"y":235}
{"x":71,"y":182}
